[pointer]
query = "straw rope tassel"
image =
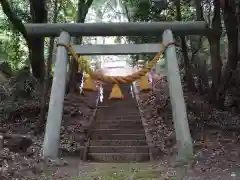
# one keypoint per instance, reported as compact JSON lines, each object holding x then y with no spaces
{"x":116,"y":93}
{"x":144,"y":85}
{"x":88,"y":84}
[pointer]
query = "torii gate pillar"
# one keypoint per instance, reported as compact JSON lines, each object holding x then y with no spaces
{"x":54,"y":118}
{"x":183,"y":137}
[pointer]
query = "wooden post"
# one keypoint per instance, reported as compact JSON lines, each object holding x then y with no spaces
{"x":183,"y":136}
{"x":54,"y":119}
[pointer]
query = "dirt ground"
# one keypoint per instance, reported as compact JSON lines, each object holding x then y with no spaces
{"x":217,"y":159}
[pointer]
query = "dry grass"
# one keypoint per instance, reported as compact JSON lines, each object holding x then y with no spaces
{"x":120,"y":171}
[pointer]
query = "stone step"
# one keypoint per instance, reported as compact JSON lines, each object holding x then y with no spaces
{"x":97,"y":136}
{"x":108,"y":120}
{"x":75,"y":104}
{"x":127,"y":93}
{"x":127,"y":96}
{"x":118,"y":149}
{"x":118,"y":143}
{"x":118,"y":131}
{"x":132,"y":107}
{"x":117,"y":112}
{"x":119,"y":124}
{"x":119,"y":157}
{"x":128,"y":122}
{"x":76,"y":98}
{"x":129,"y":111}
{"x":113,"y":103}
{"x":114,"y":106}
{"x":101,"y":117}
{"x":119,"y":118}
{"x":125,"y":101}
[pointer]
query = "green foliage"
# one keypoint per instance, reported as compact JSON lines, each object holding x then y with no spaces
{"x":98,"y":4}
{"x":14,"y":51}
{"x":68,"y":11}
{"x":21,"y":8}
{"x":17,"y":54}
{"x":12,"y":46}
{"x":4,"y":40}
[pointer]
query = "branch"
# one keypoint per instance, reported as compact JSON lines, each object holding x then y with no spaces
{"x":12,"y":17}
{"x":127,"y":13}
{"x":89,"y":3}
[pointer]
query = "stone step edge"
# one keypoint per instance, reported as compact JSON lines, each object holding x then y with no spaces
{"x":120,"y":125}
{"x":107,"y":140}
{"x":117,"y":143}
{"x":117,"y":120}
{"x":120,"y":116}
{"x":114,"y":129}
{"x":117,"y":134}
{"x":128,"y":157}
{"x":109,"y":116}
{"x":138,"y":153}
{"x":121,"y":154}
{"x":145,"y":146}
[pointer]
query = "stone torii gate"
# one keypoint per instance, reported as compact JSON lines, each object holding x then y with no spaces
{"x":65,"y":31}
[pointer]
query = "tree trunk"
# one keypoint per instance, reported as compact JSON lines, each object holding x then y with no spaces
{"x":43,"y":110}
{"x":214,"y":41}
{"x":40,"y":125}
{"x":187,"y":67}
{"x":199,"y":62}
{"x":83,"y":8}
{"x":231,"y":24}
{"x":36,"y":57}
{"x":36,"y":49}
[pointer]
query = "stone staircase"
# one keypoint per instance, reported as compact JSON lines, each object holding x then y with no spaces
{"x":117,"y":134}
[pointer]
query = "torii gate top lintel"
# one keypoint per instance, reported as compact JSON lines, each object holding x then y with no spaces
{"x":117,"y":29}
